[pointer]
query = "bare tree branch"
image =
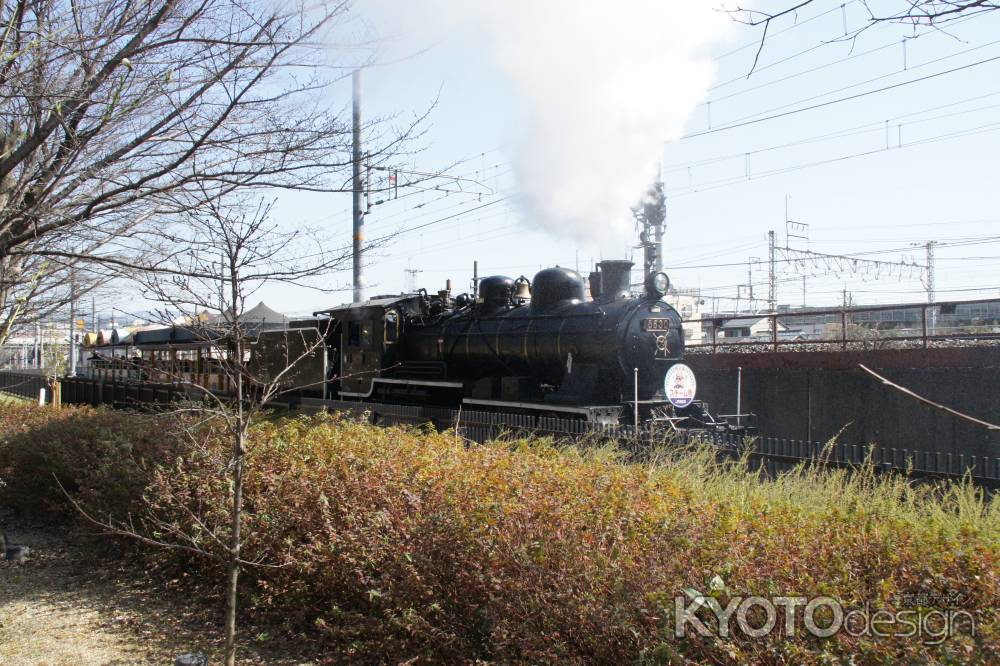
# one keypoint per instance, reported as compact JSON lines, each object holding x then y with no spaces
{"x":914,"y":13}
{"x":117,"y":114}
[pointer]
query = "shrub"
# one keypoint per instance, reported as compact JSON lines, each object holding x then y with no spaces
{"x":396,"y":543}
{"x":97,"y":455}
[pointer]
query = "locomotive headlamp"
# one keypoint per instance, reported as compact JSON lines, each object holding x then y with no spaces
{"x":657,"y":284}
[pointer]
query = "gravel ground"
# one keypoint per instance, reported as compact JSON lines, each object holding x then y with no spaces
{"x":63,"y":607}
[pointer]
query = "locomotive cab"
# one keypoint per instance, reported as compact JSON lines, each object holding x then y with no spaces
{"x":366,"y":345}
{"x":365,"y":334}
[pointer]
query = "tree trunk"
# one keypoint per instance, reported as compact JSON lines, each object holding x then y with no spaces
{"x":234,"y":551}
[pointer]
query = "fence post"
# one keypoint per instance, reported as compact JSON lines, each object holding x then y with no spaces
{"x":923,"y":323}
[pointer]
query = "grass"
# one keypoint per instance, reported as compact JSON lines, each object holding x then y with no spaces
{"x":405,"y":544}
{"x":10,"y":399}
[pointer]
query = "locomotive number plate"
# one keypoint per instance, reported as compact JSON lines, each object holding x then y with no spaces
{"x":656,"y":324}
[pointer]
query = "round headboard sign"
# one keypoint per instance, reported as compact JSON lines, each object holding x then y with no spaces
{"x":680,"y":385}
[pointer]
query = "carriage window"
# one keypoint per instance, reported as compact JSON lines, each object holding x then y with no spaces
{"x":391,"y":327}
{"x":353,"y":334}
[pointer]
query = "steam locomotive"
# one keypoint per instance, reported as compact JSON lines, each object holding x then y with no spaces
{"x":536,"y":346}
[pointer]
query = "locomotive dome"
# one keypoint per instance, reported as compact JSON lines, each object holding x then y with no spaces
{"x":555,"y":286}
{"x":495,"y":290}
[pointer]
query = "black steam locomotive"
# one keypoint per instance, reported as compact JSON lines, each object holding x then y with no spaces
{"x":538,"y":346}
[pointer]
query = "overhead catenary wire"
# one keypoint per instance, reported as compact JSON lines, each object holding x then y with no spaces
{"x":851,"y":56}
{"x":880,"y":77}
{"x":797,"y":24}
{"x":783,"y":114}
{"x":733,"y":180}
{"x":855,"y":130}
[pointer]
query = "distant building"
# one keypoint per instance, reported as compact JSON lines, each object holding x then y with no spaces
{"x":749,"y":327}
{"x":35,"y":347}
{"x":690,"y":304}
{"x":875,"y":321}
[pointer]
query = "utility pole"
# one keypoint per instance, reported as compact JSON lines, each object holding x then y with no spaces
{"x":72,"y":323}
{"x":357,"y":187}
{"x":931,"y":313}
{"x":772,"y":297}
{"x":803,"y":291}
{"x":411,"y":279}
{"x":222,"y":284}
{"x":929,"y":246}
{"x":651,"y":215}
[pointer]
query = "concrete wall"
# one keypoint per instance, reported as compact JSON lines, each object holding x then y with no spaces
{"x":815,"y":395}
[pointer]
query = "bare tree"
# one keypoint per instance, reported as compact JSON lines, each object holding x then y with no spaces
{"x":116,"y":113}
{"x":37,"y":288}
{"x":231,"y":250}
{"x":917,"y":14}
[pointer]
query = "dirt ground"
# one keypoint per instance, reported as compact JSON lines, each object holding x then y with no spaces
{"x":66,"y":605}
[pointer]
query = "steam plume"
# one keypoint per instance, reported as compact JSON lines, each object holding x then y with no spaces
{"x":602,"y":85}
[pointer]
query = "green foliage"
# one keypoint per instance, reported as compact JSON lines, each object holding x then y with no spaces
{"x":96,"y":455}
{"x":395,"y":542}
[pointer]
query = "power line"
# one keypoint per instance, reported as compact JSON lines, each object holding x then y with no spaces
{"x":870,"y":80}
{"x":984,"y":240}
{"x":733,"y":180}
{"x":450,"y":217}
{"x":839,"y":99}
{"x":788,"y":77}
{"x":756,"y":42}
{"x":810,"y":49}
{"x":856,"y":130}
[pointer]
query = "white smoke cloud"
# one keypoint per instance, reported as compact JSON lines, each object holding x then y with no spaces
{"x":601,"y":85}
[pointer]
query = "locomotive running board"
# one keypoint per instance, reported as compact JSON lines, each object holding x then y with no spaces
{"x":406,"y":382}
{"x":598,"y":414}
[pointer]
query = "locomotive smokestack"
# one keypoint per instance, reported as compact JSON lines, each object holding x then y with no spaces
{"x":615,"y":278}
{"x":595,"y":285}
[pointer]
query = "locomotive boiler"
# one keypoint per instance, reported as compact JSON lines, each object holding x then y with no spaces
{"x":538,"y":345}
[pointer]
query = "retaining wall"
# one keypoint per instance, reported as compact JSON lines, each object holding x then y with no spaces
{"x":815,"y":395}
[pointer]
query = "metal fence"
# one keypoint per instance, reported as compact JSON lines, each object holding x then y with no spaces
{"x":907,"y":325}
{"x":770,"y":455}
{"x":121,"y":395}
{"x":25,"y":384}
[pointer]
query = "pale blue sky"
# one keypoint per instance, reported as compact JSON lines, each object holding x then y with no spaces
{"x":937,"y":180}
